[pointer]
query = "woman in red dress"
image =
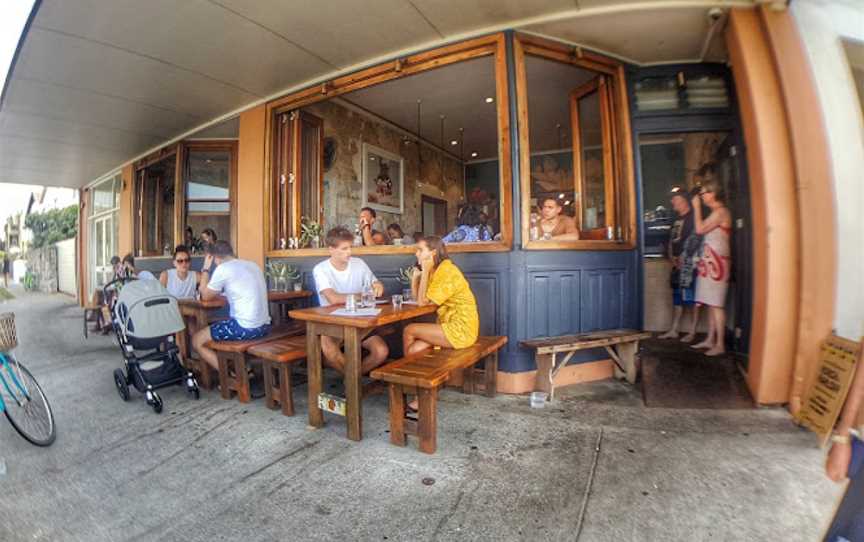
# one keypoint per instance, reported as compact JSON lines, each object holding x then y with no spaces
{"x":715,"y":265}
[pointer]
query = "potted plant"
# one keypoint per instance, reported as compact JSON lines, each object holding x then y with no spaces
{"x":405,"y":277}
{"x":310,"y":233}
{"x":277,"y":272}
{"x":292,"y":277}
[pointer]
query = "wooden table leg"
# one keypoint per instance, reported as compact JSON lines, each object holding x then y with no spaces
{"x":543,"y":380}
{"x":352,"y":377}
{"x":397,"y":415}
{"x":313,"y":374}
{"x":627,"y":355}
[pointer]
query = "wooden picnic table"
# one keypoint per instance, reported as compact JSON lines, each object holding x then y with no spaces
{"x":198,"y":313}
{"x":352,"y":330}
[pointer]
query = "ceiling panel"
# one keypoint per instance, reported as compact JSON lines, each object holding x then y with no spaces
{"x":457,"y":17}
{"x":31,"y":96}
{"x":197,"y":35}
{"x":660,"y":35}
{"x":87,"y":65}
{"x":349,"y":33}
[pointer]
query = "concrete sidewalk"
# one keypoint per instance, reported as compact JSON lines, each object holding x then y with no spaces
{"x":219,"y":470}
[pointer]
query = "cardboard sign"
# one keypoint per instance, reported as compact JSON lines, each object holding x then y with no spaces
{"x":824,"y":400}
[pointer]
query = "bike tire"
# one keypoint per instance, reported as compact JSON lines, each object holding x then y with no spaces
{"x":37,"y":408}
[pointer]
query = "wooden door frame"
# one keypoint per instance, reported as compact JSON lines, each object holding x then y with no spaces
{"x":437,"y":201}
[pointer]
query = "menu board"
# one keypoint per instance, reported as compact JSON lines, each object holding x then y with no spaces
{"x":824,"y":400}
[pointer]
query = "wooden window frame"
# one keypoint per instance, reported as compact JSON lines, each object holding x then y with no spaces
{"x":179,"y":151}
{"x":492,"y":45}
{"x":623,"y":195}
{"x":229,"y":145}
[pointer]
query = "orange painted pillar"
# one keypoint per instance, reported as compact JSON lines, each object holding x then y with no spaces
{"x":774,"y":209}
{"x":250,"y":185}
{"x":818,"y":232}
{"x":127,"y":219}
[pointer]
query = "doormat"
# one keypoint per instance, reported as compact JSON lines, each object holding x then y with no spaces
{"x":677,"y":376}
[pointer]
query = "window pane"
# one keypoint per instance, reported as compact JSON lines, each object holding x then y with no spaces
{"x":656,"y":93}
{"x":157,"y":208}
{"x":208,"y":174}
{"x":593,"y":179}
{"x":209,"y":207}
{"x":106,"y":196}
{"x":707,"y":92}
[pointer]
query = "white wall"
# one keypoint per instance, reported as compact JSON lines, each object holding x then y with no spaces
{"x":822,"y":24}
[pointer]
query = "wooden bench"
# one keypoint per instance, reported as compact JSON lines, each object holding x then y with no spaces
{"x":278,"y":358}
{"x":233,"y":360}
{"x":422,"y":374}
{"x":553,"y":353}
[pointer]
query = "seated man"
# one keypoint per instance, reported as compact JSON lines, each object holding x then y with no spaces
{"x":554,"y":224}
{"x":334,"y":279}
{"x":371,"y":236}
{"x":243,"y":284}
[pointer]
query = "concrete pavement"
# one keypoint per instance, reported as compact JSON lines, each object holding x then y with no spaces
{"x":219,"y":470}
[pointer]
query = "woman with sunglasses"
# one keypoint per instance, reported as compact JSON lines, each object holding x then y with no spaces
{"x":715,"y":265}
{"x":180,"y":281}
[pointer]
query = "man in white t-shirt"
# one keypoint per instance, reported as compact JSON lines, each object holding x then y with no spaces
{"x":334,"y":280}
{"x":242,"y":283}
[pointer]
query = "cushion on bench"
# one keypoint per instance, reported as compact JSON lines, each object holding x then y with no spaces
{"x":431,"y":368}
{"x":278,"y":332}
{"x":281,"y":350}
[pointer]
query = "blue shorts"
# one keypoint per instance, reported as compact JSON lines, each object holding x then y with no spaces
{"x":230,"y":330}
{"x":683,"y":296}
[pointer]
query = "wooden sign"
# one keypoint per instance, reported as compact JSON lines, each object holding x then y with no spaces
{"x":824,"y":400}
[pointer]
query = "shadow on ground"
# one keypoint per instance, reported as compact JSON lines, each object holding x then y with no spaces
{"x":220,"y":470}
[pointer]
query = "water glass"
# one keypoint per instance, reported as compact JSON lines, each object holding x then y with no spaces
{"x":351,"y":303}
{"x":397,"y":301}
{"x":406,"y":294}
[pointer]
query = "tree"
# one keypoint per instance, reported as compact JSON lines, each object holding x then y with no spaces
{"x":51,"y":226}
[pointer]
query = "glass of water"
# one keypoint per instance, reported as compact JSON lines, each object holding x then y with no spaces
{"x":397,"y":301}
{"x":351,"y":303}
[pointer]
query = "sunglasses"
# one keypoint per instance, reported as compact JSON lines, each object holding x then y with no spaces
{"x":182,"y":260}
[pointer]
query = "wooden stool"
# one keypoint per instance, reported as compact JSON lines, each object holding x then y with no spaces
{"x":278,"y":358}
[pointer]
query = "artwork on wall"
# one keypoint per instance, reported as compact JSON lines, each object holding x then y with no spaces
{"x":552,"y":172}
{"x":382,"y":176}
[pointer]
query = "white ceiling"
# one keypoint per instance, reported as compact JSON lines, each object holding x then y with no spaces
{"x":98,"y":83}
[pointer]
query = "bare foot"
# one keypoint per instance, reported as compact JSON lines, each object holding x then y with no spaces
{"x":703,"y":344}
{"x":716,"y":351}
{"x":688,"y":338}
{"x":671,"y":334}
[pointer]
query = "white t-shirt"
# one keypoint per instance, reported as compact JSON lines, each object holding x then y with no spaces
{"x":349,"y":281}
{"x":243,"y":284}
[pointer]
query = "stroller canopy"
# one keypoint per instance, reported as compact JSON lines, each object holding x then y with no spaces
{"x":146,"y":310}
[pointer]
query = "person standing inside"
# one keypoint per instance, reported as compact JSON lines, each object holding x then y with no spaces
{"x":243,"y":285}
{"x":180,"y":282}
{"x":715,"y":266}
{"x":681,"y":250}
{"x":335,"y":279}
{"x":368,"y":216}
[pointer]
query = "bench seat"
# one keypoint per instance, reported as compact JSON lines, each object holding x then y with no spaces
{"x":233,"y":360}
{"x":278,"y":358}
{"x":422,"y":374}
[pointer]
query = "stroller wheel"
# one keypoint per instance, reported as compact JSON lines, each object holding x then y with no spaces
{"x":120,"y":382}
{"x":154,"y":401}
{"x":192,"y":387}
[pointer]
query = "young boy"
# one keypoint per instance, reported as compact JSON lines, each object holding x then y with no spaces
{"x":337,"y":277}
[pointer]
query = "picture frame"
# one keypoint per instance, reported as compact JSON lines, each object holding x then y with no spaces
{"x":383,"y":176}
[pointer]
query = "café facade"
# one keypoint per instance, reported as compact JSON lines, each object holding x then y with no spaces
{"x":502,"y":118}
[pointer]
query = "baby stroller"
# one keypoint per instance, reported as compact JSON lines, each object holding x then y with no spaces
{"x":145,"y":317}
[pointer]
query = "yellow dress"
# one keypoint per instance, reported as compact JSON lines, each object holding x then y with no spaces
{"x":457,"y":308}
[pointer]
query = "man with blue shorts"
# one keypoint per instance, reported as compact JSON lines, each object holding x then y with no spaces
{"x":683,"y":247}
{"x":243,"y":285}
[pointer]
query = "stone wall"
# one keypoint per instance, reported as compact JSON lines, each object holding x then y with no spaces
{"x":43,"y":263}
{"x":343,"y":184}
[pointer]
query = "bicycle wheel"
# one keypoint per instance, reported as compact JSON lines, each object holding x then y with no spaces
{"x":33,"y":418}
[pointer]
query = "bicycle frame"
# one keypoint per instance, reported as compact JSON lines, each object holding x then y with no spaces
{"x":4,"y":364}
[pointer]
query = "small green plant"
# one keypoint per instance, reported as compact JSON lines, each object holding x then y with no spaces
{"x":277,"y":273}
{"x":310,"y":232}
{"x":406,"y":275}
{"x":31,"y":280}
{"x":292,"y":274}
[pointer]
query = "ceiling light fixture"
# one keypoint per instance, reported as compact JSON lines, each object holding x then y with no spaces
{"x":474,"y":154}
{"x":490,"y":99}
{"x":454,"y":142}
{"x":561,"y":196}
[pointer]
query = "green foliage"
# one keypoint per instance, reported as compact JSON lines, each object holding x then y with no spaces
{"x":31,"y":280}
{"x":49,"y":227}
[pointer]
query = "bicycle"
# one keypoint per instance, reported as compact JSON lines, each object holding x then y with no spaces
{"x":21,"y":398}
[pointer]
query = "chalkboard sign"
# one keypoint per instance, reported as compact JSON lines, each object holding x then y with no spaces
{"x":824,"y":400}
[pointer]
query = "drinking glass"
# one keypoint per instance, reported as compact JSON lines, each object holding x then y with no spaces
{"x":397,"y":301}
{"x":406,"y":294}
{"x":351,"y":303}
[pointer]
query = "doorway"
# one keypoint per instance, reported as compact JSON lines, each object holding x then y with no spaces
{"x":433,"y":216}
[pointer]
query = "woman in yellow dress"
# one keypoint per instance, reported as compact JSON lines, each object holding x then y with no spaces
{"x":439,"y":281}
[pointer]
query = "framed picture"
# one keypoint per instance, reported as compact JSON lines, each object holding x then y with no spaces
{"x":383,"y":174}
